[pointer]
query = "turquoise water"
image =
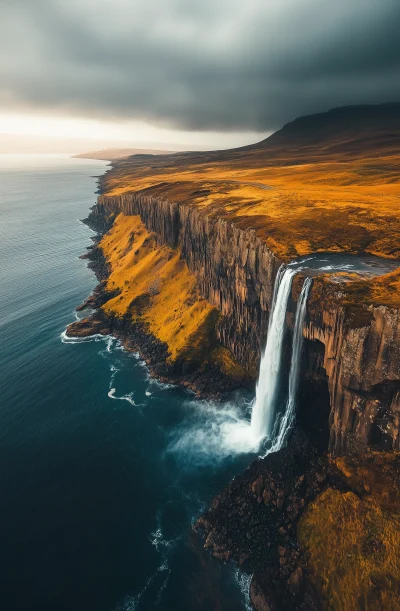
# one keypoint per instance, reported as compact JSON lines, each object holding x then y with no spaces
{"x":102,"y":470}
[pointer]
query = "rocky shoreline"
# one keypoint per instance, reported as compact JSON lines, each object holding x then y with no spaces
{"x":254,"y":524}
{"x":315,"y":533}
{"x":258,"y":520}
{"x":206,"y":382}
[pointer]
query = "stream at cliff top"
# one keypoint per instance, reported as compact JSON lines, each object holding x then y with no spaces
{"x":102,"y":469}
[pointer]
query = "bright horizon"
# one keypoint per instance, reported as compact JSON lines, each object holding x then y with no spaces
{"x":177,"y":75}
{"x":32,"y":133}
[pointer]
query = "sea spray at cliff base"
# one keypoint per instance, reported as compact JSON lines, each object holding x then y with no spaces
{"x":216,"y":432}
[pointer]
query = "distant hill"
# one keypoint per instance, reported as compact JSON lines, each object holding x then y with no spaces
{"x":325,"y":182}
{"x":351,"y":126}
{"x":112,"y":154}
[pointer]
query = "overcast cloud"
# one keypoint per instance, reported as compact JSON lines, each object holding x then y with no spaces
{"x":198,"y":64}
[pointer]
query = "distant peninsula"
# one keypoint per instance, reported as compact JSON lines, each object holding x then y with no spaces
{"x":113,"y":154}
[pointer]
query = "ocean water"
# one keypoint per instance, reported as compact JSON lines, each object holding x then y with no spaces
{"x":102,"y":470}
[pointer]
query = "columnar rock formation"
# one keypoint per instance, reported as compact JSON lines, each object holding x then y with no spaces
{"x":235,"y":272}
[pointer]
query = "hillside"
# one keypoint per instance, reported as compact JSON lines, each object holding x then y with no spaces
{"x":322,"y":183}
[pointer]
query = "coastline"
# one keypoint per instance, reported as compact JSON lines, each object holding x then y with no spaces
{"x":207,"y":382}
{"x":257,"y":505}
{"x":270,"y":520}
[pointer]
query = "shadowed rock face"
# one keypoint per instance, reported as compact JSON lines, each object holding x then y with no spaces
{"x":363,"y":369}
{"x":254,"y":523}
{"x":235,"y":272}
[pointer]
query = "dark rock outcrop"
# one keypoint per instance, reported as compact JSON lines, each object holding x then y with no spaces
{"x":253,"y":522}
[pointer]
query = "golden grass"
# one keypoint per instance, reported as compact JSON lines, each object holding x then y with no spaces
{"x":223,"y":358}
{"x":381,"y":290}
{"x":156,"y":288}
{"x":353,"y":538}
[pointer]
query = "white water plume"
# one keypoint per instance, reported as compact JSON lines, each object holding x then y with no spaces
{"x":263,"y":413}
{"x":285,"y":421}
{"x":212,"y":433}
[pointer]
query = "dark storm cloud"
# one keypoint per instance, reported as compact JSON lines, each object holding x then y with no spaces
{"x":198,"y":64}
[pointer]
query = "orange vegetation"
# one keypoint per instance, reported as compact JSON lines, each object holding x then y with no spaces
{"x":156,"y":288}
{"x":328,"y":182}
{"x":381,"y":290}
{"x":353,"y":537}
{"x":318,"y":200}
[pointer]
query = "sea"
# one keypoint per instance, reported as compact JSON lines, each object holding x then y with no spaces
{"x":103,"y":470}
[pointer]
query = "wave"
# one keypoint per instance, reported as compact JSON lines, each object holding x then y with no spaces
{"x":243,"y":580}
{"x":155,"y":382}
{"x":128,"y":397}
{"x":96,"y":337}
{"x":164,"y":547}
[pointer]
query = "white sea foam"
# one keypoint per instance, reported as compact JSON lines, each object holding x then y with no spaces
{"x":96,"y":337}
{"x":114,"y":370}
{"x":119,"y":346}
{"x":163,"y":586}
{"x":160,"y":543}
{"x":128,"y":397}
{"x":244,"y":582}
{"x":130,"y":603}
{"x":155,"y":382}
{"x":82,"y":313}
{"x":164,"y":547}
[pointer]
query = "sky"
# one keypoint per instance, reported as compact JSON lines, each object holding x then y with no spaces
{"x":182,"y":74}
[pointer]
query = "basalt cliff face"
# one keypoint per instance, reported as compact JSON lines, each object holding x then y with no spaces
{"x":361,"y":359}
{"x":234,"y":270}
{"x":354,"y":350}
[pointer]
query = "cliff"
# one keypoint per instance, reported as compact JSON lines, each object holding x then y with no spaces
{"x":315,"y":534}
{"x":190,"y":248}
{"x":149,"y":299}
{"x":361,"y":359}
{"x":355,"y":343}
{"x":234,"y":270}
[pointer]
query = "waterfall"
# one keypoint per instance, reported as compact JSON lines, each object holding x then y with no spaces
{"x":264,"y":423}
{"x":263,"y":412}
{"x":285,"y":422}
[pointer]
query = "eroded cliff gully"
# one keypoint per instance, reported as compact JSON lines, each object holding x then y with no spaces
{"x":351,"y":356}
